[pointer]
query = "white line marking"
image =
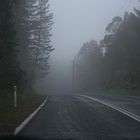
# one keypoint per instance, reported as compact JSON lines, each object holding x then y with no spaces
{"x":125,"y":112}
{"x":29,"y":118}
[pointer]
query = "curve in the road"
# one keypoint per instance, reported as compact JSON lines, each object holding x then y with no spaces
{"x":129,"y":114}
{"x":79,"y":118}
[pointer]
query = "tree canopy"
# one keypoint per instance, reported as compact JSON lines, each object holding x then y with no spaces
{"x":25,"y":41}
{"x":115,"y":63}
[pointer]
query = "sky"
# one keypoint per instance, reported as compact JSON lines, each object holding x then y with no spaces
{"x":75,"y":22}
{"x":78,"y":21}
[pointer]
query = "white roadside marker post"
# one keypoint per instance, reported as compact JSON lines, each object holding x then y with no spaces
{"x":15,"y":96}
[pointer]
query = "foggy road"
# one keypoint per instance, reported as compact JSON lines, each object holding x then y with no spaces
{"x":129,"y":103}
{"x":79,"y":118}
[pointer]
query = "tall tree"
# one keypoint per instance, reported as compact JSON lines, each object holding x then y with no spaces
{"x":10,"y":72}
{"x":41,"y":47}
{"x":118,"y":59}
{"x":34,"y":35}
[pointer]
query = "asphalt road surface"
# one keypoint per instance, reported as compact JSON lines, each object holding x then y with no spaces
{"x":129,"y":103}
{"x":79,"y":118}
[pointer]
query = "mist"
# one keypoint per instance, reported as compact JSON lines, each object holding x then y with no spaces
{"x":75,"y":22}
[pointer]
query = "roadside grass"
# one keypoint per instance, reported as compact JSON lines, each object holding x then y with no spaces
{"x":114,"y":92}
{"x":123,"y":92}
{"x":11,"y":117}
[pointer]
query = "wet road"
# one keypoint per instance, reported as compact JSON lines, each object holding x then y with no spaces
{"x":129,"y":103}
{"x":79,"y":118}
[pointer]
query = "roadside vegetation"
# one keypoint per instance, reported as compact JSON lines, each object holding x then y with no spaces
{"x":25,"y":47}
{"x":25,"y":42}
{"x":10,"y":116}
{"x":113,"y":64}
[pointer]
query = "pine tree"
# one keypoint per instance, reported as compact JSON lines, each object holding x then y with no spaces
{"x":10,"y":72}
{"x":34,"y":32}
{"x":41,"y":46}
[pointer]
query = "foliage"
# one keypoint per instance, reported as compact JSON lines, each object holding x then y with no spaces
{"x":116,"y":64}
{"x":25,"y":41}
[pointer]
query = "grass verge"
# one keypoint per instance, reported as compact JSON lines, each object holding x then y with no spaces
{"x":11,"y":117}
{"x":115,"y":92}
{"x":123,"y":92}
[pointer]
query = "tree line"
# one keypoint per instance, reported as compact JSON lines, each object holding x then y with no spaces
{"x":114,"y":62}
{"x":25,"y":42}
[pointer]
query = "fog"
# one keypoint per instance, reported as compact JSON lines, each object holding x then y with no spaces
{"x":75,"y":22}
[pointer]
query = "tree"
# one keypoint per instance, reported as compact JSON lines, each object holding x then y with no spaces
{"x":10,"y":73}
{"x":25,"y":40}
{"x":88,"y":66}
{"x":34,"y":36}
{"x":41,"y":46}
{"x":115,"y":63}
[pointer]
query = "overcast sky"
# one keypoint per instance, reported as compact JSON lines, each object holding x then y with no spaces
{"x":78,"y":21}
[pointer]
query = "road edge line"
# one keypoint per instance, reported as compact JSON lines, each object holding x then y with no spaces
{"x":121,"y":110}
{"x":29,"y":118}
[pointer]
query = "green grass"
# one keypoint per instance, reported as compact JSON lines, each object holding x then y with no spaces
{"x":11,"y":117}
